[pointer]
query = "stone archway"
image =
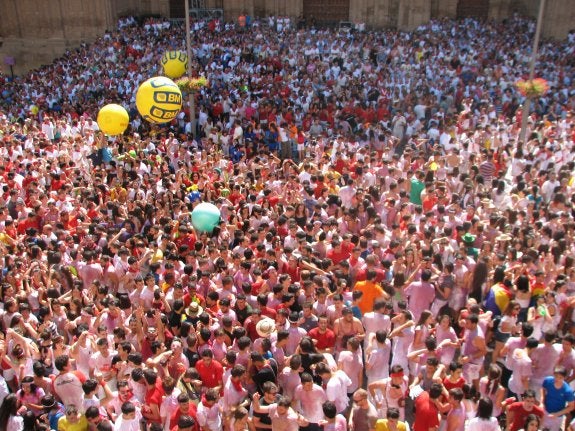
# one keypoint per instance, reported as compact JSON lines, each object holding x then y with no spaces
{"x":473,"y":8}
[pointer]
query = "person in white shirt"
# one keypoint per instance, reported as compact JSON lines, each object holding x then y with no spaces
{"x":129,"y":420}
{"x":350,"y":361}
{"x":68,"y":384}
{"x":336,"y":384}
{"x":346,"y":193}
{"x":289,"y":379}
{"x":210,"y":412}
{"x":377,"y":357}
{"x":101,"y":361}
{"x":309,"y":399}
{"x":235,"y":394}
{"x":4,"y":391}
{"x":170,"y":402}
{"x":376,"y":320}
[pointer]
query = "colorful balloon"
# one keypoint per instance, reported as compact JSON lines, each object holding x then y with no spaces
{"x":175,"y":63}
{"x":113,"y":119}
{"x":205,"y":217}
{"x":194,"y":196}
{"x":159,"y":100}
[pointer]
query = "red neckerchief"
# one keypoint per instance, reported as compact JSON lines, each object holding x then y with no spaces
{"x":237,"y":385}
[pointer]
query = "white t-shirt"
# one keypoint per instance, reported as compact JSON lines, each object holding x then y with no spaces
{"x":352,"y":365}
{"x":68,"y":386}
{"x":336,"y":390}
{"x":209,"y":417}
{"x":128,"y":425}
{"x":478,"y":424}
{"x":103,"y":364}
{"x":168,"y":408}
{"x":378,"y":360}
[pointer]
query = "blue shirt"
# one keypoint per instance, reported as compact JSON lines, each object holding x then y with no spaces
{"x":55,"y":415}
{"x":556,"y":399}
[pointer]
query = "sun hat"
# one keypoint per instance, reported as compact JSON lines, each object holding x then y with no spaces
{"x":265,"y":327}
{"x":194,"y":310}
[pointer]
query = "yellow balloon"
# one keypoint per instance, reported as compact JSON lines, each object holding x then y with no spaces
{"x":175,"y":63}
{"x":113,"y":119}
{"x":159,"y":100}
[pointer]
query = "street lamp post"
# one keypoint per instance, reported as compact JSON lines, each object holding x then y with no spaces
{"x":192,"y":100}
{"x":527,"y":103}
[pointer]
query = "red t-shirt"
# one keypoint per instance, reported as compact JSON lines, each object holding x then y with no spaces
{"x":193,"y":412}
{"x":450,"y":385}
{"x":337,"y":256}
{"x":519,"y":415}
{"x":153,"y":396}
{"x":324,"y":341}
{"x":427,"y":415}
{"x":211,"y":375}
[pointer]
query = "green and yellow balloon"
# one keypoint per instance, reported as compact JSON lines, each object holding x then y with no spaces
{"x":159,"y":100}
{"x":175,"y":64}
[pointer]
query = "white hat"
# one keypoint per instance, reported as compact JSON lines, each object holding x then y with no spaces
{"x":265,"y":327}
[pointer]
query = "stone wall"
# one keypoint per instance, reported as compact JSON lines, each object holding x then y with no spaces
{"x":262,"y":8}
{"x":35,"y":32}
{"x":443,"y":8}
{"x":374,"y":13}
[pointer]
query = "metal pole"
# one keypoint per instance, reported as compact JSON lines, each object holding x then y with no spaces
{"x":527,"y":103}
{"x":192,"y":100}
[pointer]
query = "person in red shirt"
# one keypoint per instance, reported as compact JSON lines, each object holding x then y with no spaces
{"x":337,"y":253}
{"x":427,"y":412}
{"x":153,"y":398}
{"x":251,"y":322}
{"x":518,"y":412}
{"x":185,"y":408}
{"x":324,"y":337}
{"x":211,"y":371}
{"x":186,"y":423}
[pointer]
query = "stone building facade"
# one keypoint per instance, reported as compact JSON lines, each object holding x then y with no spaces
{"x":34,"y":32}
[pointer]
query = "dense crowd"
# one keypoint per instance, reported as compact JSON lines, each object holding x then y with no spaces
{"x":390,"y":253}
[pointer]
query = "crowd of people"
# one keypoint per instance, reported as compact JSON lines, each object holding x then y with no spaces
{"x":391,"y":252}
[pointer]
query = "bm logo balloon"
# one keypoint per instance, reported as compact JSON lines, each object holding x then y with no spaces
{"x":159,"y":100}
{"x":175,"y":63}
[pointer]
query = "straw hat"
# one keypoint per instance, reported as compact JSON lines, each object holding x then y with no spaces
{"x":194,"y":310}
{"x":265,"y":327}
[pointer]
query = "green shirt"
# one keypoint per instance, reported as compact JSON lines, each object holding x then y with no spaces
{"x":415,"y":192}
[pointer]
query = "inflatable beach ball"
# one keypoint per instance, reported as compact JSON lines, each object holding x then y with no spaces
{"x":159,"y":100}
{"x":175,"y":63}
{"x":205,"y":217}
{"x":113,"y":119}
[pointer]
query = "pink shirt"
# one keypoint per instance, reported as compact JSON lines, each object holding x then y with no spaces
{"x":352,"y":365}
{"x":511,"y":344}
{"x":233,"y":397}
{"x":310,"y":402}
{"x":286,"y":422}
{"x":289,"y":380}
{"x":338,"y":425}
{"x":337,"y":390}
{"x":521,"y":368}
{"x":421,"y":295}
{"x":447,"y":353}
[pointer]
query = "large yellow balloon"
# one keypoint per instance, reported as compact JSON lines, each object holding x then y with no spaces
{"x":159,"y":100}
{"x":175,"y":63}
{"x":113,"y":119}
